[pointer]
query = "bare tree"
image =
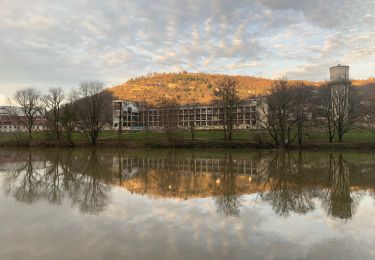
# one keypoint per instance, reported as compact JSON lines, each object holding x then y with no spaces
{"x":52,"y":102}
{"x":340,"y":107}
{"x":29,"y":102}
{"x":325,"y":101}
{"x":69,"y":119}
{"x":277,"y":113}
{"x":301,"y":107}
{"x":226,"y":93}
{"x":169,"y":120}
{"x":340,"y":103}
{"x":94,"y":108}
{"x":368,"y":106}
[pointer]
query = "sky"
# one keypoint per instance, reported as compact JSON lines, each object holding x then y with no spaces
{"x":47,"y":43}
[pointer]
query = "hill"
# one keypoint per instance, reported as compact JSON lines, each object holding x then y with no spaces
{"x":188,"y":88}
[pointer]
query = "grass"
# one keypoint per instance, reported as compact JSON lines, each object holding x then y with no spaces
{"x":250,"y":136}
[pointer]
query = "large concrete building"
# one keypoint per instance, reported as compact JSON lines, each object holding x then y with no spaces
{"x":136,"y":116}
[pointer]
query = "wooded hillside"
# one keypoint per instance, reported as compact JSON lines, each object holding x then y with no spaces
{"x":189,"y":88}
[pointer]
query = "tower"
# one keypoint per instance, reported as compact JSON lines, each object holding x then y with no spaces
{"x":339,"y":73}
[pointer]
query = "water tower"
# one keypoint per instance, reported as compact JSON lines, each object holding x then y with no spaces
{"x":339,"y":73}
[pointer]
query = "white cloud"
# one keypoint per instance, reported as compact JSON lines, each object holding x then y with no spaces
{"x":48,"y":43}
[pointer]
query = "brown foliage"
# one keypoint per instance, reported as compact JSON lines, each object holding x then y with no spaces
{"x":187,"y":88}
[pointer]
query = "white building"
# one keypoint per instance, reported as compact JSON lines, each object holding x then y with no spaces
{"x":136,"y":116}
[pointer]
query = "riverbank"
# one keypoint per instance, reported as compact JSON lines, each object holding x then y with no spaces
{"x":361,"y":140}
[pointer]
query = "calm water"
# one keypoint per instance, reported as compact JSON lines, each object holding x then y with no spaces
{"x":211,"y":204}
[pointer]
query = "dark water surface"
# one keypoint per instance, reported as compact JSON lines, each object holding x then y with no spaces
{"x":206,"y":204}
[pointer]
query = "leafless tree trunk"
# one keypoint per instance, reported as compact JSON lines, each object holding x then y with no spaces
{"x":226,"y":93}
{"x":52,"y":109}
{"x":29,"y":103}
{"x":95,"y":107}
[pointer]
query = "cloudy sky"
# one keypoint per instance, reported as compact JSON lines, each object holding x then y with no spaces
{"x":47,"y":43}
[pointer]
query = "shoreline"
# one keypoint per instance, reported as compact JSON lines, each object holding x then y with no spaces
{"x":197,"y":144}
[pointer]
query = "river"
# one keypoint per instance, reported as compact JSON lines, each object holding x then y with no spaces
{"x":186,"y":204}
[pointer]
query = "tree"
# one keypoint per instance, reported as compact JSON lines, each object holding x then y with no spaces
{"x":29,"y":102}
{"x":69,"y":119}
{"x":325,"y":102}
{"x":169,"y":120}
{"x":52,"y":109}
{"x":277,"y":113}
{"x":94,"y":108}
{"x":301,"y":107}
{"x":340,"y":103}
{"x":226,"y":93}
{"x":367,"y":108}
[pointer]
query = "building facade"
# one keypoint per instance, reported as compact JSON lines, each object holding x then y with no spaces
{"x":14,"y":123}
{"x":135,"y":116}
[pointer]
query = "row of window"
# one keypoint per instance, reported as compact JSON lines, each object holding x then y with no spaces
{"x":14,"y":127}
{"x":246,"y":167}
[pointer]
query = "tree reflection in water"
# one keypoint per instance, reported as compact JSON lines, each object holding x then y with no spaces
{"x":289,"y":181}
{"x":50,"y":175}
{"x":286,"y":187}
{"x":227,"y":199}
{"x":338,"y":201}
{"x":24,"y":180}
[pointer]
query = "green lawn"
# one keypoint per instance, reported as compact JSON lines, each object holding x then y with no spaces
{"x":249,"y":135}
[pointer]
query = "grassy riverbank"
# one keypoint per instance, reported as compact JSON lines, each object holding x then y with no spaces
{"x":356,"y":139}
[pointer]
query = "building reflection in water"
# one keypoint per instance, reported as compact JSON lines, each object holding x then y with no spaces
{"x":289,"y":182}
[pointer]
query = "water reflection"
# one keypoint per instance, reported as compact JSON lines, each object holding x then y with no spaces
{"x":338,"y":201}
{"x":289,"y":182}
{"x":227,"y":199}
{"x":288,"y":187}
{"x":52,"y":175}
